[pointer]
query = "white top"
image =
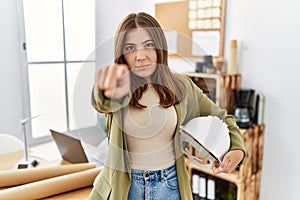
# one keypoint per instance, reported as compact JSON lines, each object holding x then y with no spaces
{"x":150,"y":132}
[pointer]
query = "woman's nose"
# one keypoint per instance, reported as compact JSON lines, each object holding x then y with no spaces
{"x":140,"y":54}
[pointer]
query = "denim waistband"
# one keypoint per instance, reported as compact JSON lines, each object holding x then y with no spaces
{"x":151,"y":174}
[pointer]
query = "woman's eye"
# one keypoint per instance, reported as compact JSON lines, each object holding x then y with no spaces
{"x":149,"y":45}
{"x":129,"y":48}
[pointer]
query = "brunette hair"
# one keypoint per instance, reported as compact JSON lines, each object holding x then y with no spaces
{"x":169,"y":88}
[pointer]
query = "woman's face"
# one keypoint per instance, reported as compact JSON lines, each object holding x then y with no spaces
{"x":140,"y":53}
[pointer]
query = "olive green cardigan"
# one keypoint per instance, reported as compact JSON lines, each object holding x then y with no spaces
{"x":114,"y":180}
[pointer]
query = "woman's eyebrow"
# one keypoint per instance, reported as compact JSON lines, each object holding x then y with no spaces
{"x":146,"y":41}
{"x":150,"y":40}
{"x":126,"y":44}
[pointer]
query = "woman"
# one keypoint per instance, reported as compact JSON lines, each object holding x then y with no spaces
{"x":145,"y":103}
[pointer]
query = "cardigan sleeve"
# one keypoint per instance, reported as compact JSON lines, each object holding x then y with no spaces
{"x":106,"y":105}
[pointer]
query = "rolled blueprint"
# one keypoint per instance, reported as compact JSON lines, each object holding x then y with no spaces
{"x":22,"y":176}
{"x":51,"y":186}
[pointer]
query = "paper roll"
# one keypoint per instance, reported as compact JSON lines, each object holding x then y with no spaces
{"x":22,"y":176}
{"x":232,"y":61}
{"x":52,"y":186}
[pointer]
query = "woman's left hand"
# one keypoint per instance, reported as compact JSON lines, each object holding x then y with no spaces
{"x":229,"y":162}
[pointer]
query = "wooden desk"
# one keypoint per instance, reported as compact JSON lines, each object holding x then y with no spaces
{"x":9,"y":161}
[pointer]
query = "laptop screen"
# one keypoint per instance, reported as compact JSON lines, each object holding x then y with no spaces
{"x":69,"y":147}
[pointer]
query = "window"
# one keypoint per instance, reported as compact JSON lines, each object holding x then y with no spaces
{"x":59,"y":51}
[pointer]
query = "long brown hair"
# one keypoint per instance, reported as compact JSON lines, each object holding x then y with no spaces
{"x":169,"y":88}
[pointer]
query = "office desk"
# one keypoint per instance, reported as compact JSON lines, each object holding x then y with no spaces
{"x":47,"y":155}
{"x":9,"y":161}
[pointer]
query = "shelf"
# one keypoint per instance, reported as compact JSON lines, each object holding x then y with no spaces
{"x":247,"y":177}
{"x":232,"y":177}
{"x":210,"y":84}
{"x":206,"y":29}
{"x":223,"y":88}
{"x":202,"y":75}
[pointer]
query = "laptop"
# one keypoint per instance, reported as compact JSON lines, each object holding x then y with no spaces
{"x":69,"y":147}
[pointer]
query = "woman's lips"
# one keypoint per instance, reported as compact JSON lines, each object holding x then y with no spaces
{"x":143,"y":66}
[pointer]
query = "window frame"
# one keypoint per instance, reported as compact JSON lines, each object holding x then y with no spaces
{"x":24,"y":64}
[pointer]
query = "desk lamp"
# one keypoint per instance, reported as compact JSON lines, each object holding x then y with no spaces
{"x":26,"y":162}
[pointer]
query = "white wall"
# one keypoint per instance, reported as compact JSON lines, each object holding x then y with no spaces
{"x":269,"y":32}
{"x":108,"y":16}
{"x":10,"y":77}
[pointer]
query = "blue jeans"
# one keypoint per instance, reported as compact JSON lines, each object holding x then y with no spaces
{"x":154,"y":185}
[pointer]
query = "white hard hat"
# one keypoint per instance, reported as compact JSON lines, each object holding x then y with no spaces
{"x":209,"y":137}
